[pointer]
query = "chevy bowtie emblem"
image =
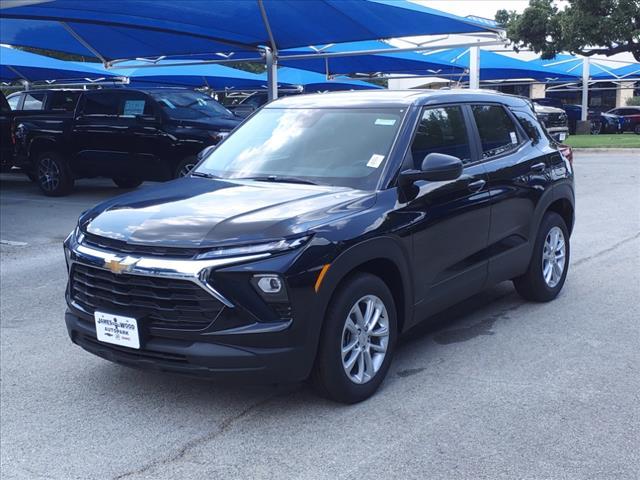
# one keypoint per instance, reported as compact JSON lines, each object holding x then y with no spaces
{"x":120,"y":265}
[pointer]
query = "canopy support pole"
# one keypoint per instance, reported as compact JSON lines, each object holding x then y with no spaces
{"x":271,"y":56}
{"x":474,"y":67}
{"x":585,"y":89}
{"x":84,"y":43}
{"x":272,"y":74}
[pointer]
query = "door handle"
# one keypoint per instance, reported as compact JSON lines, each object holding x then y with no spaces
{"x":539,"y":167}
{"x":476,"y":186}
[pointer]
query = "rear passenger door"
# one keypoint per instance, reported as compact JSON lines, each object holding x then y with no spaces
{"x":518,"y":177}
{"x":452,"y":226}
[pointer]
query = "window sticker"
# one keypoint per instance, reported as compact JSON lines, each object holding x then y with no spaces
{"x":375,"y":160}
{"x":133,"y":107}
{"x":514,"y":138}
{"x":389,"y":122}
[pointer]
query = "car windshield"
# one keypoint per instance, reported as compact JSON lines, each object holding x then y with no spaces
{"x":329,"y":146}
{"x":189,"y":105}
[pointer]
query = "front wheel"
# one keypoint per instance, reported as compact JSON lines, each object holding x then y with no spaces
{"x":53,"y":175}
{"x":185,"y":166}
{"x":549,"y":263}
{"x":358,"y":340}
{"x":127,"y":182}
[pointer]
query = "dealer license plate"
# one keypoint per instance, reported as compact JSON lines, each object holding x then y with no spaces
{"x":117,"y":329}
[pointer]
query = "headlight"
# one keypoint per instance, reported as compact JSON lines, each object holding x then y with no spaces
{"x":268,"y":247}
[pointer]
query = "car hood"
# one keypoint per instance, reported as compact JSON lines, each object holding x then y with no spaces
{"x":546,"y":109}
{"x":196,"y":212}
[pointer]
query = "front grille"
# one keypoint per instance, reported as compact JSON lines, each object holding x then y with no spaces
{"x":121,"y":246}
{"x":555,"y":120}
{"x":158,"y":302}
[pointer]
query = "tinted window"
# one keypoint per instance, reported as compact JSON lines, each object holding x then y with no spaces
{"x":441,"y":130}
{"x":498,"y":133}
{"x":100,"y":103}
{"x":187,"y":105}
{"x":529,"y":125}
{"x":33,"y":101}
{"x":65,"y":101}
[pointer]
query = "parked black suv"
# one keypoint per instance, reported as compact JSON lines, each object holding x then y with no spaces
{"x":320,"y":230}
{"x":125,"y":134}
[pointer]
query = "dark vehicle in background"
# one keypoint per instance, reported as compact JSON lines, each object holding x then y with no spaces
{"x":49,"y":100}
{"x":124,"y":134}
{"x":6,"y":140}
{"x":554,"y":119}
{"x":629,"y":118}
{"x":318,"y":232}
{"x":574,"y":114}
{"x":253,"y":102}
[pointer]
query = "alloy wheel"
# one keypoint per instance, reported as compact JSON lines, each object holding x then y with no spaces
{"x":365,"y":339}
{"x":553,"y":257}
{"x":48,"y":174}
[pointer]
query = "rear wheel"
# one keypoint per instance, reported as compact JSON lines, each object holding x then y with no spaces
{"x":637,"y":129}
{"x":53,"y":175}
{"x":185,"y":166}
{"x":127,"y":182}
{"x":358,"y":340}
{"x":549,"y":263}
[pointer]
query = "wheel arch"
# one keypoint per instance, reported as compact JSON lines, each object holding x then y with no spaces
{"x":383,"y":257}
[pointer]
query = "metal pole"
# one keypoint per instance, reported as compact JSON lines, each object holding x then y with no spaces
{"x":585,"y":89}
{"x":474,"y":67}
{"x":272,"y":74}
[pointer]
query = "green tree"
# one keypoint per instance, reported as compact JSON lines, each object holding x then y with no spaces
{"x":585,"y":27}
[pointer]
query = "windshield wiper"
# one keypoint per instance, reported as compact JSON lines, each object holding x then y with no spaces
{"x":203,"y":175}
{"x":279,"y":179}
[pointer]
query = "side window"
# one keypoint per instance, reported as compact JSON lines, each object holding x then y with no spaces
{"x":100,"y":104}
{"x":13,"y":102}
{"x":63,"y":101}
{"x":498,"y":133}
{"x":33,"y":101}
{"x":529,"y":125}
{"x":131,"y":104}
{"x":441,"y":130}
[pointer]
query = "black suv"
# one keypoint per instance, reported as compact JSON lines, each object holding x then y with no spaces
{"x":124,"y":134}
{"x":320,"y":230}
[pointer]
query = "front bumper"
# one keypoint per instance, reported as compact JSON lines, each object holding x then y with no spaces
{"x":245,"y":342}
{"x":202,"y":357}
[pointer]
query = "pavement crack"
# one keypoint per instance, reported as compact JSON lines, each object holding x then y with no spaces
{"x":190,"y":445}
{"x":606,"y":250}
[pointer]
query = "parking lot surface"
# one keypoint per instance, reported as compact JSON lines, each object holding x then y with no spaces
{"x":493,"y":388}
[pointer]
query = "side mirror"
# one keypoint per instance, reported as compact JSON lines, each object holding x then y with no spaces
{"x":436,"y":167}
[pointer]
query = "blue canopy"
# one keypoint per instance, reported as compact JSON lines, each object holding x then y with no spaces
{"x":316,"y":82}
{"x":400,"y":62}
{"x":109,"y":30}
{"x":213,"y":76}
{"x":628,"y":71}
{"x":494,"y":66}
{"x":19,"y":65}
{"x":572,"y":65}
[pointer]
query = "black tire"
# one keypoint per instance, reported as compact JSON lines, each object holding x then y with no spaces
{"x":127,"y":182}
{"x":329,"y":376}
{"x":184,"y":167}
{"x":532,"y":285}
{"x":53,"y":175}
{"x":596,"y":128}
{"x":636,"y":129}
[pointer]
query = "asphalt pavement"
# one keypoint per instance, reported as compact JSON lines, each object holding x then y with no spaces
{"x":493,"y":388}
